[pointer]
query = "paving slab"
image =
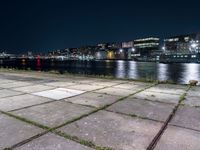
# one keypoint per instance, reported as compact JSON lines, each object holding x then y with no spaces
{"x":33,"y":88}
{"x":4,"y":81}
{"x":130,"y":86}
{"x":59,"y":93}
{"x":85,"y":80}
{"x":166,"y":90}
{"x":194,"y":93}
{"x":188,"y":117}
{"x":13,"y":131}
{"x":7,"y":93}
{"x":116,"y":91}
{"x":21,"y":101}
{"x":52,"y":142}
{"x":61,"y":84}
{"x":173,"y":86}
{"x":53,"y":114}
{"x":141,"y":83}
{"x":15,"y":84}
{"x":192,"y":101}
{"x":175,"y":138}
{"x":195,"y":88}
{"x":114,"y":130}
{"x":143,"y":108}
{"x":86,"y":87}
{"x":155,"y":96}
{"x":93,"y":99}
{"x":116,"y":81}
{"x":104,"y":83}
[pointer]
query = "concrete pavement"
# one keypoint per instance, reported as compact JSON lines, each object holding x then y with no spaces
{"x":41,"y":111}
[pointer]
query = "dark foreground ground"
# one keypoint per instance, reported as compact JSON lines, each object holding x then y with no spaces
{"x":40,"y":111}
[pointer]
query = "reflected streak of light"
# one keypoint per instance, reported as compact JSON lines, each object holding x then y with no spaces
{"x":162,"y":72}
{"x":133,"y":70}
{"x":191,"y":72}
{"x":120,"y":70}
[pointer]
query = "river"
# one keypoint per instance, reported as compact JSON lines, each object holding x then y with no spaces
{"x":178,"y":72}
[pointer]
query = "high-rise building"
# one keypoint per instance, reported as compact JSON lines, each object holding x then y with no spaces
{"x":146,"y":46}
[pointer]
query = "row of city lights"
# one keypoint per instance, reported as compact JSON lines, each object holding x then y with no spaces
{"x":133,"y":50}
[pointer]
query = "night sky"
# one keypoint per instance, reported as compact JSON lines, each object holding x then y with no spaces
{"x":44,"y":25}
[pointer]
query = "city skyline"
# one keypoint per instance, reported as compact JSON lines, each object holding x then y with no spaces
{"x":48,"y":25}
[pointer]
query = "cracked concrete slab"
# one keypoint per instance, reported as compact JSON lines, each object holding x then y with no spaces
{"x":172,"y":86}
{"x":114,"y":130}
{"x":13,"y":131}
{"x":61,"y":84}
{"x":141,"y":83}
{"x":52,"y":142}
{"x":85,"y":80}
{"x":143,"y":108}
{"x":175,"y":138}
{"x":8,"y":93}
{"x":194,"y":93}
{"x":129,"y":86}
{"x":86,"y":87}
{"x":15,"y":84}
{"x":33,"y":88}
{"x":59,"y":93}
{"x":53,"y":114}
{"x":166,"y":90}
{"x":104,"y":83}
{"x":188,"y":117}
{"x":4,"y":81}
{"x":192,"y":101}
{"x":93,"y":99}
{"x":116,"y":91}
{"x":155,"y":96}
{"x":21,"y":101}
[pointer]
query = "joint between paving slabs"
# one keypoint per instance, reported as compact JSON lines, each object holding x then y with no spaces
{"x":154,"y":142}
{"x":135,"y":116}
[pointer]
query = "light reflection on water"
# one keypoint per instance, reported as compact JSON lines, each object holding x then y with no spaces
{"x":162,"y":71}
{"x":191,"y":71}
{"x":121,"y":69}
{"x":180,"y":72}
{"x":133,"y":71}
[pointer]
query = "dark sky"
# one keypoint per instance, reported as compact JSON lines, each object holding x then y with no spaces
{"x":44,"y":25}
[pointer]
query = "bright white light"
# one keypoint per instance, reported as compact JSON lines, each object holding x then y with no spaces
{"x":163,"y":48}
{"x":121,"y":50}
{"x":194,"y":45}
{"x":133,"y":50}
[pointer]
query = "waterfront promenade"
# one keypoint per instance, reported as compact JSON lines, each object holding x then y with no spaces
{"x":44,"y":111}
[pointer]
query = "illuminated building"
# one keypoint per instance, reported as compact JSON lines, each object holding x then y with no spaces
{"x":100,"y":55}
{"x":110,"y":55}
{"x":146,"y":46}
{"x":182,"y":44}
{"x":129,"y":44}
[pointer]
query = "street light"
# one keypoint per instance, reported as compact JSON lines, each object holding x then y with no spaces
{"x":121,"y":50}
{"x":133,"y":50}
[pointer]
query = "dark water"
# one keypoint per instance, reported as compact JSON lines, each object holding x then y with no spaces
{"x":179,"y":73}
